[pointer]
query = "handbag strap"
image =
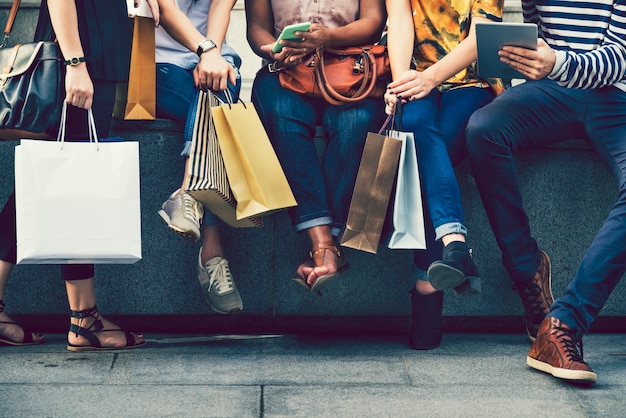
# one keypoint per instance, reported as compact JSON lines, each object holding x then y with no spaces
{"x":367,"y":62}
{"x":10,"y":20}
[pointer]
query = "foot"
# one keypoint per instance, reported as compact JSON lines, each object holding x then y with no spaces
{"x":218,"y":286}
{"x":556,"y":351}
{"x":323,"y":263}
{"x":456,"y":270}
{"x":13,"y":334}
{"x":183,"y":215}
{"x":92,"y":331}
{"x":536,"y":296}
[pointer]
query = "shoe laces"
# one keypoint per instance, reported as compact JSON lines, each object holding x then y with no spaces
{"x":220,"y":277}
{"x":572,"y":346}
{"x":531,"y":298}
{"x":191,"y":207}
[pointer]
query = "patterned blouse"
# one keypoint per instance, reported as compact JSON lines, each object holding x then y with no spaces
{"x":440,"y":25}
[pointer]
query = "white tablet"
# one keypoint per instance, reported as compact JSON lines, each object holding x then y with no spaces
{"x":492,"y":36}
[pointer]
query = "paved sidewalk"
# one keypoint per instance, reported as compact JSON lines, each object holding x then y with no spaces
{"x":470,"y":375}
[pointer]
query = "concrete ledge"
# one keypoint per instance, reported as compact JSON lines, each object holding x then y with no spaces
{"x":565,"y":207}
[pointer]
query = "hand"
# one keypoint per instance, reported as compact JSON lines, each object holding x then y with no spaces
{"x":413,"y":85}
{"x":294,"y":51}
{"x":213,"y":72}
{"x":286,"y":57}
{"x":154,"y":8}
{"x":533,"y":64}
{"x":390,"y":102}
{"x":78,"y":86}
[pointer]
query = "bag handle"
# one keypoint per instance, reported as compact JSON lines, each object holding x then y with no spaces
{"x":10,"y":20}
{"x":390,"y":121}
{"x":368,"y":63}
{"x":91,"y":127}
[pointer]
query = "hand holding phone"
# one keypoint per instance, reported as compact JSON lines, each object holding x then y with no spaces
{"x":288,"y":34}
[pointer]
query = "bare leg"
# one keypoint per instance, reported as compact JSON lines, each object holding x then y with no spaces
{"x":424,"y":288}
{"x":447,"y":239}
{"x":12,"y":332}
{"x":211,"y":243}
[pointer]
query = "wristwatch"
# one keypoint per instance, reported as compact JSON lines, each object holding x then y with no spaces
{"x":205,"y":46}
{"x":74,"y":61}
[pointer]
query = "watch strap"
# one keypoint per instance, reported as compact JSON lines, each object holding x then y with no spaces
{"x":74,"y":61}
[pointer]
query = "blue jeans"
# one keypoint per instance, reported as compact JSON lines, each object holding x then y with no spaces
{"x":176,"y":97}
{"x":323,"y":189}
{"x":533,"y":115}
{"x":438,"y":122}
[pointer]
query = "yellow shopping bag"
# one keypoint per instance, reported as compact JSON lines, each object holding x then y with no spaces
{"x":255,"y":175}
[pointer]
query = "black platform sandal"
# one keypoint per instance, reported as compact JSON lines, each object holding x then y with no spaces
{"x":28,"y":336}
{"x":96,"y":326}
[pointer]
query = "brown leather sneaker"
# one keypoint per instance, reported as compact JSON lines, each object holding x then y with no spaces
{"x":536,"y":295}
{"x":555,"y":351}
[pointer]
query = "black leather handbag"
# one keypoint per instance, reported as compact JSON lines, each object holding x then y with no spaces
{"x":31,"y":87}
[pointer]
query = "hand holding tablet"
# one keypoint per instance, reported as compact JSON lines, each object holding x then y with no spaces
{"x":492,"y":36}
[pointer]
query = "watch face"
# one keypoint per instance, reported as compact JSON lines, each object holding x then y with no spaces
{"x":75,"y":61}
{"x":206,"y":45}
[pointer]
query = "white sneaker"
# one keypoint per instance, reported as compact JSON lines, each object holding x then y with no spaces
{"x":183,"y":215}
{"x":218,"y":287}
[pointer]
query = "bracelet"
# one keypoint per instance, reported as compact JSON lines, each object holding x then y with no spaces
{"x":74,"y":61}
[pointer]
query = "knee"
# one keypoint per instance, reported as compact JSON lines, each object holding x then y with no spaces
{"x":481,"y":133}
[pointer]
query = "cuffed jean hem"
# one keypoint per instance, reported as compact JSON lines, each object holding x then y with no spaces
{"x":186,"y":152}
{"x":450,"y":228}
{"x":326,"y":220}
{"x":420,"y":274}
{"x":568,"y":319}
{"x":210,"y":219}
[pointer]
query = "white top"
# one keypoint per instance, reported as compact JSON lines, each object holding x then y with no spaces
{"x":168,"y":50}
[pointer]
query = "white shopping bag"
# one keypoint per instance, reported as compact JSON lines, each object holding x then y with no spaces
{"x":408,"y":213}
{"x":77,"y":202}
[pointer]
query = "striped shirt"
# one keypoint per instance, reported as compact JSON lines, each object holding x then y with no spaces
{"x":588,"y":37}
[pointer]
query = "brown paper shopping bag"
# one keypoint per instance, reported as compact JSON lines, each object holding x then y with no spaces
{"x":136,"y":100}
{"x":206,"y":179}
{"x":254,"y":172}
{"x":372,"y":191}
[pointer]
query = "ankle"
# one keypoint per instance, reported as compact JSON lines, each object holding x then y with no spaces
{"x":86,"y":318}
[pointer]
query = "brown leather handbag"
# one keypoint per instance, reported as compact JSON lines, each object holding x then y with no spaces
{"x":340,"y":75}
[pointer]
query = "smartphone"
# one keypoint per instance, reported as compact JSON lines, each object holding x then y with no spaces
{"x":288,"y":34}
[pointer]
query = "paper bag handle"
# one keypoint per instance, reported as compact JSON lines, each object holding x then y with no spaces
{"x":91,"y":125}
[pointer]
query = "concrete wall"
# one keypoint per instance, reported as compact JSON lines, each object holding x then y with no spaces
{"x":567,"y":193}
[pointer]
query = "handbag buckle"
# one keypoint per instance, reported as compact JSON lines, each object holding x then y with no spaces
{"x":272,"y":67}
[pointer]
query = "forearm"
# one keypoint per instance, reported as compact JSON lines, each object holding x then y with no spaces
{"x":218,"y":20}
{"x":459,"y":58}
{"x":260,"y":26}
{"x":65,"y":24}
{"x":400,"y":37}
{"x":178,"y":25}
